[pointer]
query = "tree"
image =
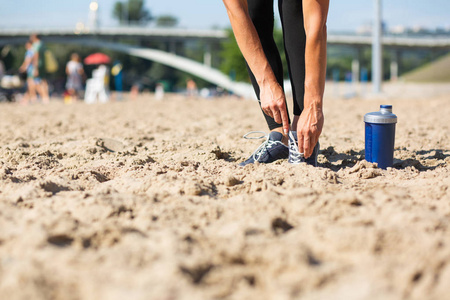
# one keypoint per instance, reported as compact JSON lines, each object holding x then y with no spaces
{"x":166,"y":21}
{"x":132,"y":11}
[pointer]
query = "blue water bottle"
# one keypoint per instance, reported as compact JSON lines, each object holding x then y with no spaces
{"x":380,"y":136}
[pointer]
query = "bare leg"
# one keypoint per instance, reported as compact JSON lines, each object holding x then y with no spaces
{"x":285,"y":139}
{"x":45,"y":95}
{"x":38,"y":86}
{"x":41,"y":89}
{"x":25,"y":99}
{"x":31,"y":90}
{"x":73,"y":95}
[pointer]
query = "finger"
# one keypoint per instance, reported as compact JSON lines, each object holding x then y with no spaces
{"x":284,"y":119}
{"x":300,"y":142}
{"x":307,"y":146}
{"x":276,"y":116}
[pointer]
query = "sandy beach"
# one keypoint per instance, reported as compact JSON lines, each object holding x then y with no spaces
{"x":144,"y":200}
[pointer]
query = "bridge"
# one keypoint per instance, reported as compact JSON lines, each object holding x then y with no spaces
{"x":214,"y":35}
{"x":163,"y":34}
{"x":107,"y":38}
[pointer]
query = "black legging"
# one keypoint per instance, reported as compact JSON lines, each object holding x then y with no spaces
{"x":291,"y":14}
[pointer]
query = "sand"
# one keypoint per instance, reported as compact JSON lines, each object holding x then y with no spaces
{"x":144,"y":200}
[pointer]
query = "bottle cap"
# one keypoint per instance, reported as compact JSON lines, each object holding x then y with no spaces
{"x":384,"y":116}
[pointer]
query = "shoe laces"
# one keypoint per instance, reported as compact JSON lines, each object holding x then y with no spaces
{"x":267,"y":144}
{"x":294,"y":154}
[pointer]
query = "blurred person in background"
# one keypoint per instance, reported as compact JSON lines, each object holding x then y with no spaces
{"x":28,"y":68}
{"x":75,"y":75}
{"x":191,"y":88}
{"x":304,"y":32}
{"x":159,"y":91}
{"x":117,"y":73}
{"x":40,"y":74}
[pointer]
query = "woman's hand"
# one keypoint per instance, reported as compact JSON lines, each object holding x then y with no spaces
{"x":309,"y":128}
{"x":273,"y":103}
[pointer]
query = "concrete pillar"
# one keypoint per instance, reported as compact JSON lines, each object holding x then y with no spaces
{"x":394,"y":65}
{"x":394,"y":70}
{"x":207,"y":57}
{"x":355,"y":68}
{"x":377,"y":71}
{"x":173,"y":47}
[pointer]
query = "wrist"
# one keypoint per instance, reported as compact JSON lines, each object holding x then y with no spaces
{"x":270,"y":86}
{"x":315,"y":104}
{"x":266,"y":76}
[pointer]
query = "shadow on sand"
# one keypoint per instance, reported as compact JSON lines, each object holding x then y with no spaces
{"x":422,"y":160}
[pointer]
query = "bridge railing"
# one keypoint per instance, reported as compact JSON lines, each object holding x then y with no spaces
{"x":123,"y":30}
{"x":345,"y":38}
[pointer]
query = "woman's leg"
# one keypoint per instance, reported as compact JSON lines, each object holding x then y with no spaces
{"x":261,"y":13}
{"x":291,"y":14}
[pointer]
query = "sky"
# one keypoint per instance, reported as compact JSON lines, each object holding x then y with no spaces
{"x":344,"y":15}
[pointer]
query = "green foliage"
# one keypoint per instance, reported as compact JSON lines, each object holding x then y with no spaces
{"x":233,"y":63}
{"x":339,"y":59}
{"x":166,"y":21}
{"x":132,"y":11}
{"x":194,"y":51}
{"x":12,"y":57}
{"x":161,"y":72}
{"x":411,"y":60}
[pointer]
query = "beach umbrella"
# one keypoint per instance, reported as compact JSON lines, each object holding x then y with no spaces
{"x":97,"y":59}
